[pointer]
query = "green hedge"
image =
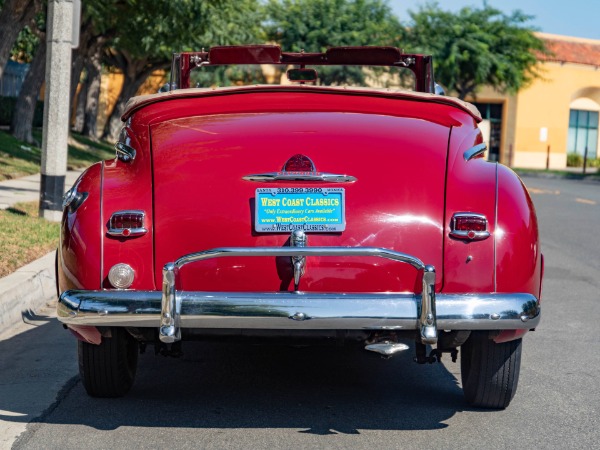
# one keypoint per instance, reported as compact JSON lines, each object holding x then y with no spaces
{"x":7,"y":106}
{"x":574,"y":160}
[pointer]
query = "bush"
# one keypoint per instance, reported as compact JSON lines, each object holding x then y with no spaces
{"x":593,"y":162}
{"x":7,"y":106}
{"x":574,"y":160}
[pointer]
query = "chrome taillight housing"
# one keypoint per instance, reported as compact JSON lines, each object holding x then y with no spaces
{"x":469,"y":226}
{"x":127,"y":223}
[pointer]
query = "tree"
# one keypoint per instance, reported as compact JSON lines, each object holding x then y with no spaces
{"x":315,"y":25}
{"x":30,"y":46}
{"x":477,"y":47}
{"x":14,"y":15}
{"x":22,"y":120}
{"x":90,"y":113}
{"x":153,"y":33}
{"x":100,"y":22}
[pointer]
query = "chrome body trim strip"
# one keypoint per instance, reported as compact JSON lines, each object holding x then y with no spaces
{"x":475,"y":151}
{"x":101,"y":226}
{"x":299,"y":176}
{"x":276,"y":310}
{"x":496,"y":234}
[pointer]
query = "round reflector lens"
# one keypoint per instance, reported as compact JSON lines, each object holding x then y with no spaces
{"x":121,"y":276}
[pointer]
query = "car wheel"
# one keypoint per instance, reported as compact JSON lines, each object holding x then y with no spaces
{"x":108,"y":369}
{"x":489,"y":371}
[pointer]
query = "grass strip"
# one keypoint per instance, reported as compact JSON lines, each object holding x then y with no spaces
{"x":18,"y":159}
{"x":24,"y":236}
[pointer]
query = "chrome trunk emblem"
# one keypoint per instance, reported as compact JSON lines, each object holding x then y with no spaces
{"x":300,"y":168}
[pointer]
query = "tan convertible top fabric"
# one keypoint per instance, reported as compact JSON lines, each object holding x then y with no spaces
{"x":136,"y":103}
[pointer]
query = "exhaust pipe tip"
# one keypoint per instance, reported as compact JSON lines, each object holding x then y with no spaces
{"x":386,"y":348}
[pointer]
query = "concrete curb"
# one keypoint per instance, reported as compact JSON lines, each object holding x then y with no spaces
{"x":558,"y":176}
{"x":32,"y":286}
{"x":26,"y":290}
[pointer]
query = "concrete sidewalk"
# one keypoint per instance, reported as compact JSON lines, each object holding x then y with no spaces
{"x":27,"y":189}
{"x":32,"y":286}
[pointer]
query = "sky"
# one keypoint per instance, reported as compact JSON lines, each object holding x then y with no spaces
{"x":579,"y":18}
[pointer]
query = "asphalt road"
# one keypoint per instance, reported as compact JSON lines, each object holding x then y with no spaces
{"x":228,"y":396}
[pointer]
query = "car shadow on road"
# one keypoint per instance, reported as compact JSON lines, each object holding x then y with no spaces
{"x":318,"y":390}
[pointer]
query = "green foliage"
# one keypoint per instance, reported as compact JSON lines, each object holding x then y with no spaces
{"x":28,"y":40}
{"x":574,"y":160}
{"x":153,"y":29}
{"x":227,"y":76}
{"x":477,"y":47}
{"x":25,"y":46}
{"x":315,"y":25}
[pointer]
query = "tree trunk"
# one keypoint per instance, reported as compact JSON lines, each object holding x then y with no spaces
{"x":14,"y":15}
{"x":88,"y":41}
{"x":88,"y":56}
{"x":94,"y":72}
{"x":135,"y":72}
{"x":80,"y":106}
{"x":22,"y":120}
{"x":130,"y":87}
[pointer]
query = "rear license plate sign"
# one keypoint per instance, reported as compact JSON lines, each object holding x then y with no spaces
{"x":280,"y":210}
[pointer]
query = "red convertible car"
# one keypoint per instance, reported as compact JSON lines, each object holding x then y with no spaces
{"x":299,"y":211}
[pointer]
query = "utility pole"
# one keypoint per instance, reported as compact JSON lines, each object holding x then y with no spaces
{"x":56,"y":108}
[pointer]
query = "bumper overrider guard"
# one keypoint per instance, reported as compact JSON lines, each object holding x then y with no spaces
{"x":425,"y":311}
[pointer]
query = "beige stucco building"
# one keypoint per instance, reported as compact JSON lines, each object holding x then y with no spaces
{"x":556,"y":115}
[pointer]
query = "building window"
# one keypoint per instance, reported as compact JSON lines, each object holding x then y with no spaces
{"x":493,"y":113}
{"x":583,"y":132}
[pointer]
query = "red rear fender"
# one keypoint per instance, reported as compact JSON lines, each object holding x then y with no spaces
{"x":518,"y":255}
{"x":128,"y":186}
{"x":470,"y":187}
{"x":80,"y":238}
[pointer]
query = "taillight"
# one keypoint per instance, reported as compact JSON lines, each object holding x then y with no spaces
{"x":469,"y":226}
{"x":127,"y":223}
{"x":299,"y":163}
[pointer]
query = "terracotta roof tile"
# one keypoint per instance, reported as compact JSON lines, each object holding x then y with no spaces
{"x":577,"y":52}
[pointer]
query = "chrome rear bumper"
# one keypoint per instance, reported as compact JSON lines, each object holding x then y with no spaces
{"x":286,"y":310}
{"x":171,"y":310}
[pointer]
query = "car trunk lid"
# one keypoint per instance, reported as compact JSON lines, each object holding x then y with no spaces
{"x":204,"y":199}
